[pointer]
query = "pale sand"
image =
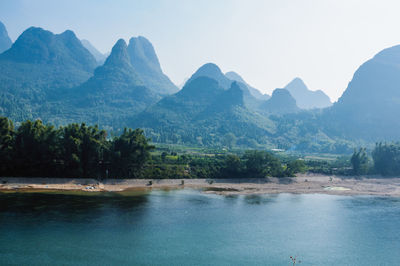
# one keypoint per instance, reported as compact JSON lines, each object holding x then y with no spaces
{"x":371,"y":185}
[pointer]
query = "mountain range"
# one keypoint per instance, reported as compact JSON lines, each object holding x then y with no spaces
{"x":38,"y":64}
{"x":61,"y":79}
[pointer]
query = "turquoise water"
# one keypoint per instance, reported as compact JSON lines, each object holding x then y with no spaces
{"x":187,"y":227}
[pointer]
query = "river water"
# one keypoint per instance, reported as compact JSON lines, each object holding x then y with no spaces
{"x":189,"y":227}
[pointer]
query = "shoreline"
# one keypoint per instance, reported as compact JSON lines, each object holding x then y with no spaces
{"x":301,"y":184}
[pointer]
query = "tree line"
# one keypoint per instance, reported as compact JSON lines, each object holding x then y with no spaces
{"x":250,"y":164}
{"x":384,"y":160}
{"x":34,"y":149}
{"x":76,"y":150}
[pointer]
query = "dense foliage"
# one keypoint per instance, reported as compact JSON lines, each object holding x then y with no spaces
{"x":359,"y":161}
{"x":76,"y":150}
{"x":387,"y":158}
{"x":250,"y":164}
{"x":383,"y":160}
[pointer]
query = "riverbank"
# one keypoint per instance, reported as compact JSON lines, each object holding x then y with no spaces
{"x":301,"y":184}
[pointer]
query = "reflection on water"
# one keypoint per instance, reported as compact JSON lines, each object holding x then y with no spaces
{"x":188,"y":227}
{"x":70,"y":206}
{"x":259,"y":199}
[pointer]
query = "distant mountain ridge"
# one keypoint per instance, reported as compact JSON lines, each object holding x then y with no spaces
{"x":305,"y":98}
{"x":211,"y":70}
{"x":370,"y":106}
{"x":54,"y":77}
{"x":38,"y":46}
{"x":145,"y":62}
{"x":5,"y":41}
{"x":115,"y":88}
{"x":100,"y":58}
{"x":203,"y":111}
{"x":256,"y":93}
{"x":281,"y":102}
{"x":38,"y":65}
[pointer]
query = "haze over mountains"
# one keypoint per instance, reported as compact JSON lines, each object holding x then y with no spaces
{"x":256,"y":93}
{"x":305,"y":98}
{"x":370,"y":106}
{"x":61,"y":79}
{"x":100,"y":58}
{"x":145,"y":62}
{"x":5,"y":41}
{"x":281,"y":102}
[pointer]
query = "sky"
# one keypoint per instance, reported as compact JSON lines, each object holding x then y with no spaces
{"x":267,"y":42}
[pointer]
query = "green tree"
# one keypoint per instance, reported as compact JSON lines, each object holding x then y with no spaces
{"x":83,"y":150}
{"x":129,"y":153}
{"x":387,"y":158}
{"x":295,"y":166}
{"x":229,"y":140}
{"x":233,"y":166}
{"x":359,"y":161}
{"x":6,"y":144}
{"x":36,"y":149}
{"x":260,"y":164}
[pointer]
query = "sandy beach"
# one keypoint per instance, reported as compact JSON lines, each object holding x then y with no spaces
{"x":337,"y":185}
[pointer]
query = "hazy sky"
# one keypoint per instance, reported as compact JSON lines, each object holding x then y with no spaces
{"x":267,"y":42}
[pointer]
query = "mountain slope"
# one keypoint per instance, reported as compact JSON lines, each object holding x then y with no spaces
{"x":100,"y":58}
{"x":256,"y":93}
{"x":370,"y":106}
{"x":5,"y":41}
{"x":181,"y":107}
{"x":214,"y":72}
{"x":305,"y":98}
{"x":145,"y":62}
{"x":281,"y":102}
{"x":114,"y":93}
{"x":38,"y":46}
{"x":228,"y":117}
{"x":203,"y":113}
{"x":38,"y":65}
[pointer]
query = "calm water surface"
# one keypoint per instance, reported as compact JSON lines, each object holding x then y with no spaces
{"x":187,"y":227}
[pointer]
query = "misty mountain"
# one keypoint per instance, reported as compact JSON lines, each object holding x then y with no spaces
{"x":5,"y":41}
{"x":145,"y":62}
{"x":203,"y":112}
{"x":100,"y":58}
{"x":181,"y":107}
{"x":281,"y":102}
{"x":305,"y":98}
{"x":370,"y":106}
{"x":256,"y":93}
{"x":214,"y":72}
